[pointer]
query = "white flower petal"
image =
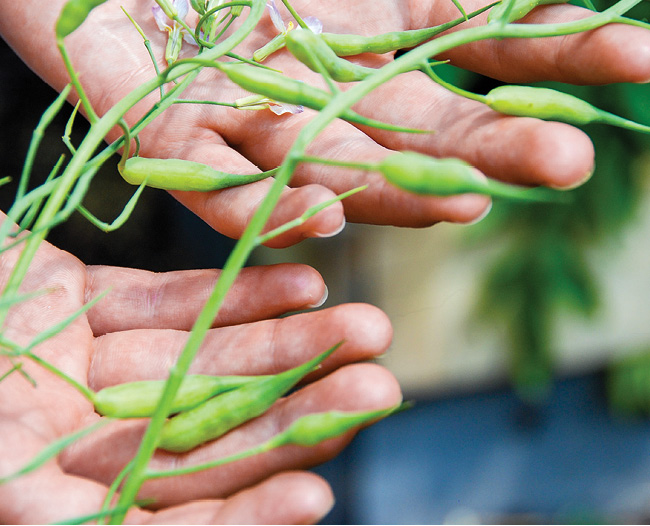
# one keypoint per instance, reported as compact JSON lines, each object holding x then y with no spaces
{"x":314,"y":24}
{"x":280,"y":108}
{"x":162,"y":21}
{"x":276,"y":18}
{"x":182,"y":7}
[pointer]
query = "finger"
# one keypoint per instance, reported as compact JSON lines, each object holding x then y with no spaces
{"x":138,"y":299}
{"x":380,"y":203}
{"x":359,"y":387}
{"x":265,"y":347}
{"x":613,"y":53}
{"x":230,"y":210}
{"x":47,"y":494}
{"x":519,"y":150}
{"x":286,"y":498}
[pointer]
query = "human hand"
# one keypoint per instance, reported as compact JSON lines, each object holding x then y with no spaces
{"x":135,"y":333}
{"x":109,"y":54}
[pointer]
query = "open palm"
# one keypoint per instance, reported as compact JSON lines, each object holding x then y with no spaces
{"x":135,"y":332}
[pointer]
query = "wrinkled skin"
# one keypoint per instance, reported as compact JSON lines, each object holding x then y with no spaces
{"x":135,"y":333}
{"x":518,"y":150}
{"x":102,"y":348}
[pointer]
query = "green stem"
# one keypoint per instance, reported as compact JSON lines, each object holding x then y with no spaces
{"x":88,"y":393}
{"x":262,"y":448}
{"x":310,"y":212}
{"x":622,"y":122}
{"x":334,"y":162}
{"x":295,"y":15}
{"x":74,"y":78}
{"x":215,"y":103}
{"x":204,"y":321}
{"x":37,"y":137}
{"x":448,"y":85}
{"x":96,"y":134}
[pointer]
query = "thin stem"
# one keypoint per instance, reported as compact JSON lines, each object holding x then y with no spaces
{"x":88,"y":393}
{"x":37,"y":137}
{"x":262,"y":448}
{"x":13,"y":369}
{"x":98,"y":131}
{"x":204,"y":321}
{"x":448,"y":85}
{"x":147,"y":45}
{"x":112,"y":490}
{"x":74,"y":78}
{"x":120,"y":219}
{"x":310,"y":212}
{"x":295,"y":15}
{"x":335,"y":162}
{"x":622,"y":122}
{"x":51,"y":450}
{"x":215,"y":103}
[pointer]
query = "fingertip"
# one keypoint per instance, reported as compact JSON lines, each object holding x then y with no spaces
{"x":312,"y":492}
{"x":368,"y":387}
{"x":303,"y":284}
{"x":563,"y":158}
{"x":294,"y":203}
{"x":466,"y":209}
{"x":367,"y":328}
{"x":291,"y":497}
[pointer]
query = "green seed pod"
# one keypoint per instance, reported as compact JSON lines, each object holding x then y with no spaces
{"x":140,"y":399}
{"x":345,"y":45}
{"x":425,"y":175}
{"x":310,"y":49}
{"x":73,"y":14}
{"x":220,"y":414}
{"x":178,"y":174}
{"x":311,"y":430}
{"x":519,"y":9}
{"x":543,"y":103}
{"x":280,"y":88}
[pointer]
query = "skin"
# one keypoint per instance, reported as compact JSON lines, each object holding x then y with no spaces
{"x":518,"y":150}
{"x":104,"y":348}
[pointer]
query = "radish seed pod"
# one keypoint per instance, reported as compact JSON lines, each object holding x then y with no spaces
{"x":218,"y":415}
{"x":179,"y":174}
{"x":139,"y":399}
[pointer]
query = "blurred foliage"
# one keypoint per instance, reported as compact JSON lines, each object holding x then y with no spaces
{"x":628,"y":384}
{"x":542,"y":270}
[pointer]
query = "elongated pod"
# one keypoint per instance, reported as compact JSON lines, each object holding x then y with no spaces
{"x":73,"y":14}
{"x":425,"y":175}
{"x":139,"y":399}
{"x":178,"y":174}
{"x":549,"y":104}
{"x":276,"y":86}
{"x":220,"y":414}
{"x":345,"y":45}
{"x":543,"y":103}
{"x":310,"y":49}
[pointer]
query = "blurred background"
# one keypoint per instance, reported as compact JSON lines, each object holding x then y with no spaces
{"x":524,"y":340}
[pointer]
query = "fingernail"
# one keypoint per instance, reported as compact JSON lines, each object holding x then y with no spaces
{"x":481,"y":217}
{"x":580,"y":182}
{"x":321,"y":301}
{"x":334,"y":232}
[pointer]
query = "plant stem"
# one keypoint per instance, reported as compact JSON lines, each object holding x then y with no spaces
{"x":204,"y":321}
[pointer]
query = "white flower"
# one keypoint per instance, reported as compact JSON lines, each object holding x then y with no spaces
{"x":166,"y":15}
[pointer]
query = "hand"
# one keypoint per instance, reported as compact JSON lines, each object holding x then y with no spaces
{"x":135,"y":333}
{"x":112,"y":60}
